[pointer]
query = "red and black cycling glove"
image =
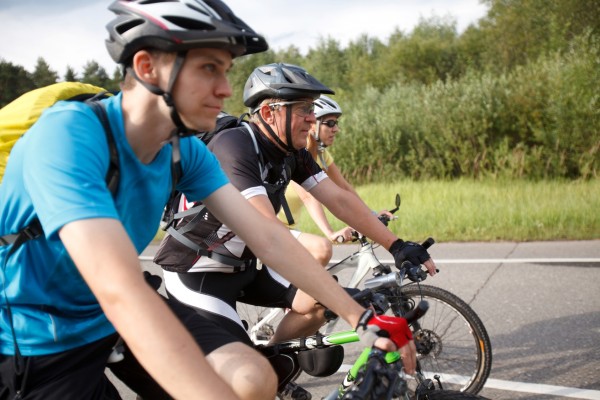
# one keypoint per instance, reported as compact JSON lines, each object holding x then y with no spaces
{"x":371,"y":327}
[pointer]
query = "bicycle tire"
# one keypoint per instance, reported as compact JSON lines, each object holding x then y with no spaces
{"x":450,"y":395}
{"x":453,"y":342}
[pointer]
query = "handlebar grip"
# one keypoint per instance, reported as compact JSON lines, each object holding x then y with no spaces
{"x":384,"y":219}
{"x":339,"y":239}
{"x":417,"y":312}
{"x":428,"y":242}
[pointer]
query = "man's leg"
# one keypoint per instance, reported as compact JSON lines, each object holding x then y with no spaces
{"x":226,"y":344}
{"x":306,"y":315}
{"x":248,"y":372}
{"x":304,"y":318}
{"x":318,"y":246}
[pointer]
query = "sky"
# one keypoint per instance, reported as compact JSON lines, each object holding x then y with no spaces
{"x":72,"y":32}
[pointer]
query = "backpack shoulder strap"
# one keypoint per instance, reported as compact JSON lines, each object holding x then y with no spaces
{"x":113,"y":173}
{"x":34,"y":229}
{"x":261,"y":165}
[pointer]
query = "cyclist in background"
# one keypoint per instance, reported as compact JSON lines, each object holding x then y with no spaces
{"x":66,"y":293}
{"x":280,"y":98}
{"x":322,"y":135}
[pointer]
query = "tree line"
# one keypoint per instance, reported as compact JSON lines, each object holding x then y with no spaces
{"x":514,"y":95}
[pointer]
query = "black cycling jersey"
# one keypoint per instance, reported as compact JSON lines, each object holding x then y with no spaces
{"x":263,"y":173}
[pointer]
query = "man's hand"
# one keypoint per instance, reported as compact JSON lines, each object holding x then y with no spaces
{"x":374,"y":329}
{"x":412,"y":252}
{"x":345,"y":234}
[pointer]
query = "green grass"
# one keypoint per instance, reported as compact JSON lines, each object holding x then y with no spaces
{"x":468,"y":210}
{"x":483,"y":211}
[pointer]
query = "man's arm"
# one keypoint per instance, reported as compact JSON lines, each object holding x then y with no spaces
{"x":334,"y":173}
{"x":354,"y":212}
{"x":317,"y":213}
{"x":108,"y":262}
{"x":273,"y":243}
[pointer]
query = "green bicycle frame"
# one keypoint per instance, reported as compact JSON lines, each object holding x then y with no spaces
{"x":351,"y":337}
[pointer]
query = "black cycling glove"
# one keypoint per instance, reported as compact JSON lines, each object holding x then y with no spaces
{"x":408,"y":251}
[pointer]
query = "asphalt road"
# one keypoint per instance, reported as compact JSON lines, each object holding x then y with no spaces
{"x":540,"y":303}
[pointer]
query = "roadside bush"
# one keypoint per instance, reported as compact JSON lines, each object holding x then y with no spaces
{"x":539,"y":121}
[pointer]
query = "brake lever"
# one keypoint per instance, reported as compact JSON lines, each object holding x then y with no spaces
{"x":413,"y":272}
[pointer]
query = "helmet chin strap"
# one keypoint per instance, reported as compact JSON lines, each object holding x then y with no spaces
{"x":320,"y":145}
{"x":288,"y":132}
{"x":180,"y":128}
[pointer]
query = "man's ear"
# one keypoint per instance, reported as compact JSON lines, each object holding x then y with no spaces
{"x":266,"y":113}
{"x":145,"y":67}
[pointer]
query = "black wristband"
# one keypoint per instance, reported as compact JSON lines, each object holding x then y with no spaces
{"x":396,"y":245}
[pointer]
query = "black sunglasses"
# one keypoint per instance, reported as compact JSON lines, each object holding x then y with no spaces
{"x":330,"y":123}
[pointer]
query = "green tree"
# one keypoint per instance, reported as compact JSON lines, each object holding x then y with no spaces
{"x":94,"y":74}
{"x":326,"y":62}
{"x":70,"y":75}
{"x":430,"y":53}
{"x":43,"y":75}
{"x":115,"y":82}
{"x":238,"y":75}
{"x":14,"y":81}
{"x":519,"y":31}
{"x":362,"y":64}
{"x":577,"y":16}
{"x":291,"y":55}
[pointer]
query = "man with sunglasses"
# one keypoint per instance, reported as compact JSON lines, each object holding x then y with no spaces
{"x":260,"y":159}
{"x":322,"y":135}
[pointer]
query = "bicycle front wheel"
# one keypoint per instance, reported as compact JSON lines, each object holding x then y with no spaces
{"x":451,"y":340}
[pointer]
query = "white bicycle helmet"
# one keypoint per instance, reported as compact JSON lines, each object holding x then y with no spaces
{"x":324,"y":105}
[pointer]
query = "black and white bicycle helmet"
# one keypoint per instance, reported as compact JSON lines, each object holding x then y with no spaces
{"x":281,"y":81}
{"x":176,"y":26}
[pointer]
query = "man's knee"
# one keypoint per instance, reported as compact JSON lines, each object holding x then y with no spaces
{"x":322,"y":250}
{"x":248,"y":372}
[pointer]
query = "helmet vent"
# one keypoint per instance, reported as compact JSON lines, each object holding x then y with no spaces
{"x":144,"y":2}
{"x":190,"y":24}
{"x":128,"y":25}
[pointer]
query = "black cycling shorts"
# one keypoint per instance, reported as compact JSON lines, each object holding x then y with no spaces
{"x":74,"y":374}
{"x":213,"y":296}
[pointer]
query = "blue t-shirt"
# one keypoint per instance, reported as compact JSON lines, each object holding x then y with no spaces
{"x":57,"y":172}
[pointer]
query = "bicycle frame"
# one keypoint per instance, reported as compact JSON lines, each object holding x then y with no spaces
{"x":363,"y":261}
{"x":337,"y":338}
{"x":350,"y":336}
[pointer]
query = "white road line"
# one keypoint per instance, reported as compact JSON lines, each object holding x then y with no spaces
{"x":522,"y":387}
{"x":480,"y":260}
{"x":519,"y":260}
{"x":503,"y":260}
{"x":536,"y":388}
